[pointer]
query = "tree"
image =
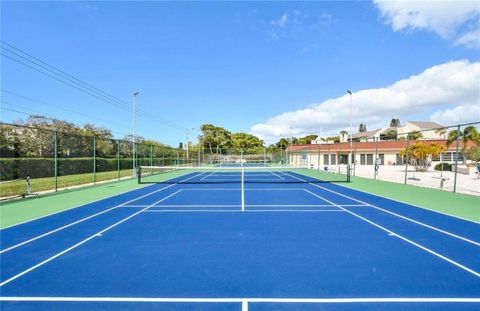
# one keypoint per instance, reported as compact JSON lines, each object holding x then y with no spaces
{"x":469,"y":133}
{"x":390,"y":134}
{"x":248,"y":143}
{"x":343,"y":133}
{"x":214,"y":137}
{"x":307,"y":140}
{"x":416,"y":135}
{"x":395,"y":123}
{"x":420,"y":154}
{"x":441,"y":131}
{"x":473,"y":154}
{"x":362,"y":128}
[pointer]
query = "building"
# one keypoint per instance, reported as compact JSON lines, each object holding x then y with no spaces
{"x":362,"y":136}
{"x":365,"y":153}
{"x":429,"y":130}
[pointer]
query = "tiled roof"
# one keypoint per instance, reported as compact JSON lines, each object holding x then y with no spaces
{"x":390,"y":145}
{"x":426,"y":124}
{"x":366,"y":134}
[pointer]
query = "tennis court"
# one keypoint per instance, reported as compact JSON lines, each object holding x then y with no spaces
{"x":242,"y":238}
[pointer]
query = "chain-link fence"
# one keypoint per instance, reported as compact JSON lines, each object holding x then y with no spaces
{"x":57,"y":160}
{"x":444,"y":158}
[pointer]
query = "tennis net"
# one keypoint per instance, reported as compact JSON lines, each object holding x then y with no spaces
{"x":237,"y":174}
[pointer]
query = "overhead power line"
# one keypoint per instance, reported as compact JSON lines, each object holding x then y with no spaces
{"x":17,"y":55}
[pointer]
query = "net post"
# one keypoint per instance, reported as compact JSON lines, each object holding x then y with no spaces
{"x":118,"y":159}
{"x":151,"y":157}
{"x":94,"y":161}
{"x":56,"y":160}
{"x":139,"y":174}
{"x":456,"y":160}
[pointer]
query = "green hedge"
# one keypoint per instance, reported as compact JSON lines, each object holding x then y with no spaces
{"x":446,"y":167}
{"x":14,"y":168}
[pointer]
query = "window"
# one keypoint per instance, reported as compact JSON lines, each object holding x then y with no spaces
{"x":370,"y":159}
{"x":333,"y":159}
{"x":381,"y":156}
{"x":325,"y":159}
{"x":399,"y":160}
{"x":362,"y":159}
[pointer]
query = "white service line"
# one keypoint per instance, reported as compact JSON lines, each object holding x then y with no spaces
{"x":396,"y":234}
{"x":206,"y":176}
{"x":82,"y":242}
{"x":403,"y":217}
{"x":81,"y":220}
{"x":245,"y":211}
{"x":244,"y":305}
{"x":92,"y":236}
{"x":251,"y":300}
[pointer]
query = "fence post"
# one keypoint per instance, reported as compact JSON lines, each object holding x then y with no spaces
{"x":118,"y":159}
{"x":456,"y":161}
{"x":56,"y":160}
{"x":318,"y":157}
{"x":94,"y":161}
{"x":375,"y":168}
{"x":406,"y":161}
{"x":151,"y":156}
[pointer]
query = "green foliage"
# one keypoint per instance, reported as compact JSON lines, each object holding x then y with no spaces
{"x":391,"y":134}
{"x":395,"y":123}
{"x":307,"y":140}
{"x":469,"y":133}
{"x":414,"y":135}
{"x":362,"y":128}
{"x":420,"y":154}
{"x":474,"y":154}
{"x":246,"y":142}
{"x":214,"y":138}
{"x":446,"y":167}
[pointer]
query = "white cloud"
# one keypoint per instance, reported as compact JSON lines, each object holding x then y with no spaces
{"x":459,"y":114}
{"x":445,"y":85}
{"x":446,"y":18}
{"x":470,"y":39}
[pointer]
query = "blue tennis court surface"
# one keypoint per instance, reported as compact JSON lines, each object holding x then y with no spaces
{"x":252,"y":241}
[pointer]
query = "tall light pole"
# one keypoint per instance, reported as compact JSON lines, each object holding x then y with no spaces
{"x":350,"y":162}
{"x":133,"y":137}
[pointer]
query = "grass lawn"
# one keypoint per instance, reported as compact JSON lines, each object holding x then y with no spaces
{"x":19,"y":186}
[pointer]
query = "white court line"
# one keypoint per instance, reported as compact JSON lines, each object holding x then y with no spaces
{"x":251,"y":189}
{"x":403,"y":217}
{"x":81,"y":220}
{"x":89,"y":238}
{"x":246,"y":205}
{"x":207,"y":175}
{"x":244,"y":305}
{"x":83,"y":204}
{"x":397,"y":235}
{"x":251,"y":300}
{"x":245,"y":211}
{"x":277,"y":175}
{"x":81,"y":242}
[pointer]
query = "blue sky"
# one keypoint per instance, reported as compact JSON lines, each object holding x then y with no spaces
{"x":256,"y":67}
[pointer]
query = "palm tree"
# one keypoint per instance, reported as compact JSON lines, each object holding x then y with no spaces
{"x":414,"y":135}
{"x":343,"y":133}
{"x":470,"y":133}
{"x":441,"y":131}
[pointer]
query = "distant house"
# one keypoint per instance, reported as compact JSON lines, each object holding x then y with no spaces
{"x":362,"y":136}
{"x":428,"y":129}
{"x":364,"y":153}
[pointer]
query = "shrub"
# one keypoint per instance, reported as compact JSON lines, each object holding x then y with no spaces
{"x":446,"y":167}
